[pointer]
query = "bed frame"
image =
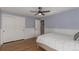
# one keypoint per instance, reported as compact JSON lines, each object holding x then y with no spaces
{"x":45,"y":47}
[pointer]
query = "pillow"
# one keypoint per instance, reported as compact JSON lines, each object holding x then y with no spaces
{"x":76,"y":36}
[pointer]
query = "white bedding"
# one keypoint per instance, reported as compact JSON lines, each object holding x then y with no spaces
{"x":58,"y":41}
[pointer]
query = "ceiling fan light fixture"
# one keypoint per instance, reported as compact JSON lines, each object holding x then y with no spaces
{"x":39,"y":14}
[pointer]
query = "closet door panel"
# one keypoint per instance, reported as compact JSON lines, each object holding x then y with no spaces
{"x":12,"y":28}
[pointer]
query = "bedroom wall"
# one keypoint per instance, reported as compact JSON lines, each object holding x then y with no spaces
{"x":0,"y":27}
{"x":30,"y":30}
{"x":0,"y":19}
{"x":30,"y":22}
{"x":63,"y":22}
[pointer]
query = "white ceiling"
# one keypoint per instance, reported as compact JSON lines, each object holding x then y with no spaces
{"x":25,"y":11}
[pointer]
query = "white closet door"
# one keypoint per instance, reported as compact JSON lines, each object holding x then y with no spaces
{"x":12,"y":28}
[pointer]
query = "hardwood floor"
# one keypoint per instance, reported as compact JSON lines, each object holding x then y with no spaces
{"x":21,"y":45}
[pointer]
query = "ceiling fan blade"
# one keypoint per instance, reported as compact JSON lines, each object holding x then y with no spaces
{"x":45,"y":11}
{"x":43,"y":14}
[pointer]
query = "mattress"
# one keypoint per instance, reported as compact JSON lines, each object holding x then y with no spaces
{"x":58,"y":41}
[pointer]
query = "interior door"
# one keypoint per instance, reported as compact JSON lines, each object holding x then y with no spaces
{"x":37,"y":27}
{"x":12,"y":28}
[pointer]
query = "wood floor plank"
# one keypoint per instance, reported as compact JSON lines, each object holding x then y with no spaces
{"x":21,"y":45}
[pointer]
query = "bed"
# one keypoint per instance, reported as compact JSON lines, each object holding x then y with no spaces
{"x":57,"y":42}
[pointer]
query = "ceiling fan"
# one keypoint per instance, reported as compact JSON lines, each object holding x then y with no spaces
{"x":40,"y":11}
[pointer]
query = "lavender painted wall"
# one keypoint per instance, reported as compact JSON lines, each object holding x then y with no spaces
{"x":30,"y":22}
{"x":0,"y":19}
{"x":67,"y":19}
